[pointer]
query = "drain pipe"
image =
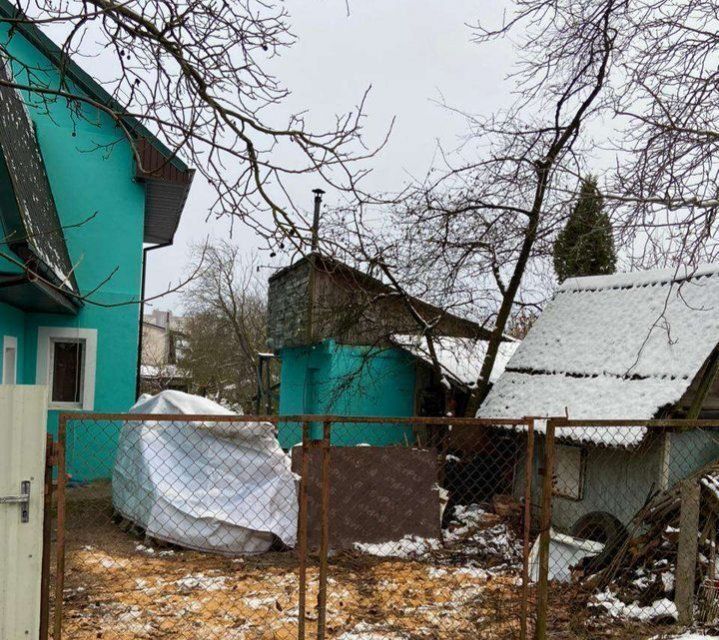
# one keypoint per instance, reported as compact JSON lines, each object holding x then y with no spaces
{"x":145,"y":251}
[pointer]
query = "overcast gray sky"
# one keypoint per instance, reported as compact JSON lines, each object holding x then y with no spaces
{"x":412,"y":53}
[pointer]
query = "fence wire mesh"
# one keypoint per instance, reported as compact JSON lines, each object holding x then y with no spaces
{"x":248,"y":528}
{"x":633,"y":514}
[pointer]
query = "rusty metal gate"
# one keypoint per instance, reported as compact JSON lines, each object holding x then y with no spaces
{"x":426,"y":529}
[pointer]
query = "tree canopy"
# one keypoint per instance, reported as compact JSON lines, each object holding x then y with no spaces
{"x":585,"y":247}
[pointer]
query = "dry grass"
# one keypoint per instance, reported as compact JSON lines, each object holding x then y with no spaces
{"x":118,"y":587}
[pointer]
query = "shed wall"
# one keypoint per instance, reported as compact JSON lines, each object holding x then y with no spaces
{"x":329,"y":378}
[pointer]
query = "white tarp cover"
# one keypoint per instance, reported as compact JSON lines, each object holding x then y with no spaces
{"x":223,"y":487}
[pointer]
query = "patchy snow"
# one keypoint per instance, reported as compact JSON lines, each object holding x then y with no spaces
{"x":407,"y":547}
{"x":366,"y":631}
{"x":662,"y":608}
{"x":460,"y":358}
{"x":612,"y":347}
{"x":162,"y":371}
{"x":689,"y":635}
{"x":473,"y":533}
{"x":201,"y":581}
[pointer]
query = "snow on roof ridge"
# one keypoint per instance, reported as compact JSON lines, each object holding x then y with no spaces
{"x":628,"y":280}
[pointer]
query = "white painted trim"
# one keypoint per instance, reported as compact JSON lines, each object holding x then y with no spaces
{"x":45,"y":336}
{"x":9,"y":342}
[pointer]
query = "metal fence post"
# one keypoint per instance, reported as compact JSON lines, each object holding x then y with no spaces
{"x":60,"y":543}
{"x":324,"y":535}
{"x":528,"y":470}
{"x":545,"y":524}
{"x":302,"y":534}
{"x":46,"y":540}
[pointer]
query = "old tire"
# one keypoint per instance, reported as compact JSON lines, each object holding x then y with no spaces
{"x":600,"y":526}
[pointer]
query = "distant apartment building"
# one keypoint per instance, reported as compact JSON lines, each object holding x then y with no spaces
{"x":162,"y":342}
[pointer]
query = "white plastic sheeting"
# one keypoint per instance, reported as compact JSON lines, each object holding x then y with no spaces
{"x":224,"y":487}
{"x":564,"y":553}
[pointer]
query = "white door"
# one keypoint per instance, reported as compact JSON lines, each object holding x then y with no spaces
{"x":23,"y":415}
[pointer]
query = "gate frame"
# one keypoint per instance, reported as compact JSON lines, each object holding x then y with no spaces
{"x":327,"y":420}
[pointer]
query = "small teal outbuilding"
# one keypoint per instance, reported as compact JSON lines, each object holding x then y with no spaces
{"x":76,"y":212}
{"x":348,"y":346}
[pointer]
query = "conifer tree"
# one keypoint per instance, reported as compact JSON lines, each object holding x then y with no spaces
{"x":585,"y":247}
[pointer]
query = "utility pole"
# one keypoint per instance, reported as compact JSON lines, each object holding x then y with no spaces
{"x":316,"y":219}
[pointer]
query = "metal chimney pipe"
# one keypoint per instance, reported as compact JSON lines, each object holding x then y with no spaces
{"x":316,"y":219}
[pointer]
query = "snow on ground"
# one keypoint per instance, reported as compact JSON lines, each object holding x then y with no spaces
{"x":407,"y":547}
{"x":365,"y":631}
{"x":689,"y":635}
{"x":472,"y":532}
{"x":659,"y":609}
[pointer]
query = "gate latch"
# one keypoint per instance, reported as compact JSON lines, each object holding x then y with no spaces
{"x":23,"y":500}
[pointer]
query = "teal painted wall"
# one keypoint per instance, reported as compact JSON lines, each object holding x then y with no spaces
{"x":91,"y":169}
{"x":330,"y":378}
{"x":12,"y":323}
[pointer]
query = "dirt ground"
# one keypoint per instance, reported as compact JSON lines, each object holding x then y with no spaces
{"x":120,"y":586}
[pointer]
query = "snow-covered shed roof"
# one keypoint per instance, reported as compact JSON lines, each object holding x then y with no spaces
{"x":460,"y":358}
{"x":613,"y":347}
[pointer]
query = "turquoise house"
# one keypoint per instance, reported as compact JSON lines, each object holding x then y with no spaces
{"x":78,"y":213}
{"x":348,"y":346}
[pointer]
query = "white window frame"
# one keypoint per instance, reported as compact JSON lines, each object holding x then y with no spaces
{"x":46,"y":337}
{"x":562,"y":481}
{"x":9,"y":342}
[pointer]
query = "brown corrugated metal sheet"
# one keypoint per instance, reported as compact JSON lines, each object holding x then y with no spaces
{"x":377,"y":494}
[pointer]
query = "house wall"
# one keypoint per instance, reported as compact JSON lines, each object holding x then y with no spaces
{"x":155,"y":345}
{"x":12,"y":323}
{"x":616,"y":481}
{"x":91,"y":172}
{"x":288,"y":308}
{"x":689,"y":451}
{"x":330,"y":378}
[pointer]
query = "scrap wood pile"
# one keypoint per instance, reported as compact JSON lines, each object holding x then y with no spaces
{"x":639,"y":570}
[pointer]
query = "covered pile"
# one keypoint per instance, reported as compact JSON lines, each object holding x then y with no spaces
{"x":224,"y":487}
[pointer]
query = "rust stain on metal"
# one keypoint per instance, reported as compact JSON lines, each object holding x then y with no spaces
{"x":60,"y":544}
{"x":46,"y":541}
{"x":529,"y":459}
{"x":325,"y":532}
{"x":302,"y":537}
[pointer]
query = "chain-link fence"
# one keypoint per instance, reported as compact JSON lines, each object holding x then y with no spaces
{"x":630,"y":519}
{"x":383,"y":529}
{"x":203,"y":527}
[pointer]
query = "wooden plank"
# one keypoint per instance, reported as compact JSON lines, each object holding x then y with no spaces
{"x":705,"y":384}
{"x":545,"y":523}
{"x":302,"y":536}
{"x":687,"y":551}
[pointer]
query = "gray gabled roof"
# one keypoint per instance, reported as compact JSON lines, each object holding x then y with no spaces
{"x":624,"y":346}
